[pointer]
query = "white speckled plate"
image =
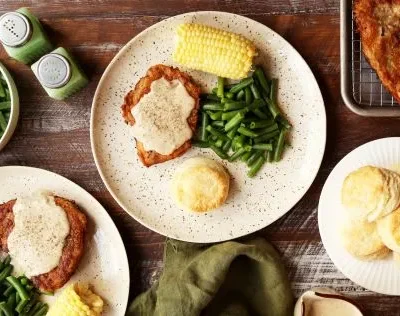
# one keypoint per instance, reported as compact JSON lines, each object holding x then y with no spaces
{"x":382,"y":276}
{"x":104,"y":264}
{"x":252,"y":204}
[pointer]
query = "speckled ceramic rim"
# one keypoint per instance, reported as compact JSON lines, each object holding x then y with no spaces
{"x":123,"y":256}
{"x":108,"y":69}
{"x":14,"y":113}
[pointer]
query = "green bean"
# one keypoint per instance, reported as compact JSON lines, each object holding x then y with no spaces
{"x":262,"y":80}
{"x":9,"y":290}
{"x":6,"y":309}
{"x":218,"y":124}
{"x":228,"y":115}
{"x":260,"y":114}
{"x":42,"y":311}
{"x":274,"y":90}
{"x":234,"y":121}
{"x":2,"y":92}
{"x":242,"y":84}
{"x":254,"y":168}
{"x":254,"y":91}
{"x":204,"y":123}
{"x":219,"y":143}
{"x":268,"y":130}
{"x":229,"y":95}
{"x":29,"y":287}
{"x":220,"y":87}
{"x":232,"y":133}
{"x":247,"y":132}
{"x":217,"y":133}
{"x":214,"y":90}
{"x":215,"y":115}
{"x":248,"y":95}
{"x":11,"y":302}
{"x":279,"y":145}
{"x":200,"y":144}
{"x":270,"y":155}
{"x":254,"y":157}
{"x":286,"y":124}
{"x":17,"y":298}
{"x":256,"y":104}
{"x":212,"y":97}
{"x":250,"y":118}
{"x":6,"y":272}
{"x":263,"y":146}
{"x":35,"y":308}
{"x":31,"y":302}
{"x":5,"y":105}
{"x":7,"y":260}
{"x":3,"y":122}
{"x":261,"y":124}
{"x":239,"y":140}
{"x":219,"y":152}
{"x":246,"y":156}
{"x":21,"y":305}
{"x":227,"y":146}
{"x":8,"y":96}
{"x":18,"y":286}
{"x":273,"y":108}
{"x":266,"y":137}
{"x":6,"y":115}
{"x":213,"y":106}
{"x":237,"y":154}
{"x":240,"y":95}
{"x":234,"y":105}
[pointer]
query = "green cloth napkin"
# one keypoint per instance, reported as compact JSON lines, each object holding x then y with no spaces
{"x":226,"y":279}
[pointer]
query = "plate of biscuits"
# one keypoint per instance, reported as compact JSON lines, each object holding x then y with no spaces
{"x":207,"y":126}
{"x":359,"y":216}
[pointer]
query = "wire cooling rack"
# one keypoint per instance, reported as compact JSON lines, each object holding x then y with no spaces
{"x":367,"y":88}
{"x":361,"y":89}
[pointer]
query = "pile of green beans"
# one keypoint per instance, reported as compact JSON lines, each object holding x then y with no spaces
{"x":18,"y":296}
{"x":243,"y":121}
{"x":5,"y":105}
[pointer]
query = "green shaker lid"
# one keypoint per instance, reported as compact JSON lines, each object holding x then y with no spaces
{"x":15,"y":29}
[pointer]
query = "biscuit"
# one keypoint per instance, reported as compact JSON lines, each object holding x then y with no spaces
{"x":200,"y":184}
{"x":389,"y":230}
{"x":361,"y":239}
{"x":370,"y":193}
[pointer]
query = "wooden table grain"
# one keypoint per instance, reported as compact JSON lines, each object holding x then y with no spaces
{"x":54,"y":135}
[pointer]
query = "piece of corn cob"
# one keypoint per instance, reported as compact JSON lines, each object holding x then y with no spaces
{"x":212,"y":50}
{"x":77,"y":300}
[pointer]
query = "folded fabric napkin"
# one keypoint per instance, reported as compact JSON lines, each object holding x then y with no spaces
{"x":230,"y":278}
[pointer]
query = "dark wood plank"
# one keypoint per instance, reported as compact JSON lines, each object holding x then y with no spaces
{"x":55,"y":135}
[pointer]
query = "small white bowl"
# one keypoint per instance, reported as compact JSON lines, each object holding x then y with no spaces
{"x":14,"y":113}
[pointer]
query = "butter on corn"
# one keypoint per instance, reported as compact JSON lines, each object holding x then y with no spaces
{"x":77,"y":300}
{"x":212,"y":50}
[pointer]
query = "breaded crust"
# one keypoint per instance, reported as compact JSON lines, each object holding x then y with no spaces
{"x":378,"y":22}
{"x":156,"y":72}
{"x":73,"y":248}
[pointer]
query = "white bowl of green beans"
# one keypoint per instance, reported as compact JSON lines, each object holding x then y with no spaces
{"x":9,"y":106}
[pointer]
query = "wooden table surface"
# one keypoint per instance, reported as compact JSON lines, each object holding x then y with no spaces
{"x":55,"y":135}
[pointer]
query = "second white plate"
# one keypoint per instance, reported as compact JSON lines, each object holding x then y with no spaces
{"x":104,"y":264}
{"x":382,"y":276}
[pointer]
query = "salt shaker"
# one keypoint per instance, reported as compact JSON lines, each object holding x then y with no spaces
{"x":23,"y":36}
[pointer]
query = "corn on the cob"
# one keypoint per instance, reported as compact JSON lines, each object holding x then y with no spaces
{"x":213,"y":50}
{"x":77,"y":300}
